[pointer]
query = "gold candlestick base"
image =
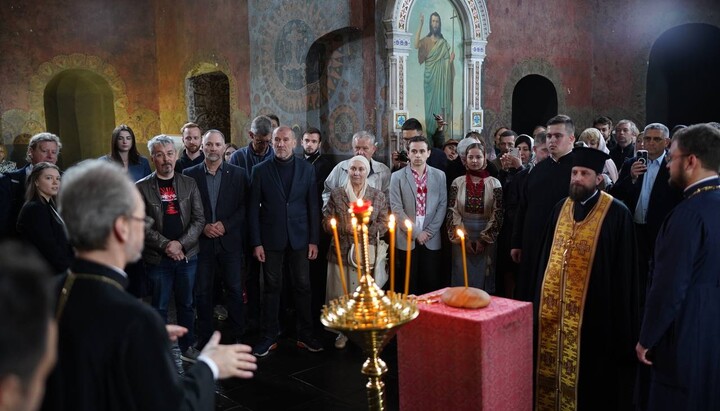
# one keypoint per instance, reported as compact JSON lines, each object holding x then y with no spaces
{"x":370,"y":318}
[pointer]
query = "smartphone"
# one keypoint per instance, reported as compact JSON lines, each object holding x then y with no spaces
{"x":515,"y":152}
{"x":642,"y":156}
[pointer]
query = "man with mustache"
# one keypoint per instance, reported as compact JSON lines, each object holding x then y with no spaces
{"x":173,"y":201}
{"x":191,"y":155}
{"x":588,"y":302}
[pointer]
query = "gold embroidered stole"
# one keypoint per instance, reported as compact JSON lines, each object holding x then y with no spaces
{"x":562,"y":302}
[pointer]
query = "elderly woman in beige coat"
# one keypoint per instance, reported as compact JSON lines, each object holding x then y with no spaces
{"x":337,"y":208}
{"x":475,"y":206}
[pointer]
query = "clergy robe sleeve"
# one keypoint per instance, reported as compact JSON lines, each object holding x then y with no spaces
{"x":675,"y":252}
{"x":517,"y":234}
{"x":152,"y":375}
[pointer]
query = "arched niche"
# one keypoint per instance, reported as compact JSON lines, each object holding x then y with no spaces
{"x":208,"y":101}
{"x":534,"y":102}
{"x":79,"y":107}
{"x":682,"y":81}
{"x":473,"y":21}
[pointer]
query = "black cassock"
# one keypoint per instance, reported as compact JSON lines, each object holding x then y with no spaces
{"x":114,"y":353}
{"x":610,"y":322}
{"x":681,"y":325}
{"x":546,"y":184}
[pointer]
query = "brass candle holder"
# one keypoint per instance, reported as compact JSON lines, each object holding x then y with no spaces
{"x":369,"y":317}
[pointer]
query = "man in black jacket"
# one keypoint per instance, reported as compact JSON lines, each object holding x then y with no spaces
{"x":223,"y":194}
{"x":113,"y":351}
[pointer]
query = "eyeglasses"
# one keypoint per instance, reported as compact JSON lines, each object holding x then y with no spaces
{"x":147,"y":220}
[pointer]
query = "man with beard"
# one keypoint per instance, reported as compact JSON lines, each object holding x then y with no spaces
{"x":173,"y":201}
{"x":434,"y":51}
{"x":311,"y":141}
{"x":682,"y":315}
{"x":223,"y":192}
{"x":191,"y":155}
{"x":113,"y":350}
{"x":588,"y":300}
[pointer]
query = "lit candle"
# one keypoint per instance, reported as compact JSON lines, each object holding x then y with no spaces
{"x":391,"y":227}
{"x":333,"y":223}
{"x":360,"y":206}
{"x":408,"y":225}
{"x":462,"y":245}
{"x":358,"y":261}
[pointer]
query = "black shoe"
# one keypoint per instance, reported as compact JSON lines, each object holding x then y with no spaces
{"x":264,"y":347}
{"x":310,"y":344}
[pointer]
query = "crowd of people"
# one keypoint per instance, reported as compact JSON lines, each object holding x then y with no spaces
{"x":612,"y":236}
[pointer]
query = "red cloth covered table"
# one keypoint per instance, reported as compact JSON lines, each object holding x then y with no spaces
{"x":458,"y":359}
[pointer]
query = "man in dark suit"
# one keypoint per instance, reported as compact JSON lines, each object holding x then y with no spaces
{"x":645,"y":190}
{"x":223,"y":194}
{"x":284,"y":223}
{"x":412,"y":128}
{"x":43,"y":147}
{"x":113,"y":350}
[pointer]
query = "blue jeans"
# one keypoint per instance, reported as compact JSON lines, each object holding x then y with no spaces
{"x":300,"y":281}
{"x":177,"y":276}
{"x":230,"y":265}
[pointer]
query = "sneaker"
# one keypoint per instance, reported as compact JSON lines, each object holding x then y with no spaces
{"x":190,"y":355}
{"x":220,"y":313}
{"x":264,"y":347}
{"x":341,"y":341}
{"x":310,"y":344}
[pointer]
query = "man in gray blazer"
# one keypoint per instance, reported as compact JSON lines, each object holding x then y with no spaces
{"x":418,"y":193}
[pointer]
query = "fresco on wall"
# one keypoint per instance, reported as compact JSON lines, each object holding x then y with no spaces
{"x":435,"y":66}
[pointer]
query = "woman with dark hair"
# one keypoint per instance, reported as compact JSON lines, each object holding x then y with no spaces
{"x":475,"y":206}
{"x":229,"y":149}
{"x":39,"y":223}
{"x":124,"y":151}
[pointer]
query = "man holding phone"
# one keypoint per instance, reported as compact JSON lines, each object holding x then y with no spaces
{"x":643,"y":186}
{"x":506,"y":142}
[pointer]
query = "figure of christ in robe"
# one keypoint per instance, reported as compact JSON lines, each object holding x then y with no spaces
{"x":435,"y":53}
{"x":587,"y":307}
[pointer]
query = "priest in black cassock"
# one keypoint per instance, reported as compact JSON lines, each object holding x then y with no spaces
{"x":545,"y":185}
{"x":681,"y":323}
{"x":588,"y":298}
{"x":114,"y":350}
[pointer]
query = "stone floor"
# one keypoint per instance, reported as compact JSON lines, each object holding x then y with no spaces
{"x":290,"y":378}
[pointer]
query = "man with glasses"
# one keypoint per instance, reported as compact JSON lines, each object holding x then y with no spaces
{"x":259,"y":148}
{"x":644,"y":188}
{"x":679,"y":335}
{"x":113,"y":350}
{"x":173,"y":201}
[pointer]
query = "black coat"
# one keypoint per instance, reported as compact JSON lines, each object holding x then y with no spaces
{"x":114,"y":353}
{"x":40,"y":225}
{"x":230,"y":207}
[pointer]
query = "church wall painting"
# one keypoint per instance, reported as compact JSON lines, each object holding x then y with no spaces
{"x":435,"y":66}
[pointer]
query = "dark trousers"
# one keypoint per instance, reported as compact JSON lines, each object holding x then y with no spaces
{"x":253,"y":270}
{"x":300,"y":281}
{"x":425,"y":270}
{"x":214,"y":260}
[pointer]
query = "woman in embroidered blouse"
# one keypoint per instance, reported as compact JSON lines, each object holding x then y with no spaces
{"x":124,"y":151}
{"x":337,"y":208}
{"x":39,"y":223}
{"x":475,"y":205}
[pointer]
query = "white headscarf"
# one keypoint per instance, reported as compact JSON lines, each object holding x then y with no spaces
{"x":348,"y":187}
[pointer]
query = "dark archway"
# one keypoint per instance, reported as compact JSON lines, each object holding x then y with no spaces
{"x":534,"y":101}
{"x":209,"y":101}
{"x":682,"y":81}
{"x":79,"y":108}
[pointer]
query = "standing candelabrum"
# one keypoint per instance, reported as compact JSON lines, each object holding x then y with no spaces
{"x":369,"y":316}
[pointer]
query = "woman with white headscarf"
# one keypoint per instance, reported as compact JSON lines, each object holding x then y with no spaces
{"x":337,"y":207}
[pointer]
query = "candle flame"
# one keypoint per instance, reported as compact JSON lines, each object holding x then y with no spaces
{"x":408,"y":224}
{"x":333,"y":223}
{"x":392,"y":218}
{"x":354,"y":221}
{"x":460,"y":233}
{"x":359,"y":202}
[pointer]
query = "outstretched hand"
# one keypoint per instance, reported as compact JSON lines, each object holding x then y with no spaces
{"x":234,"y":360}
